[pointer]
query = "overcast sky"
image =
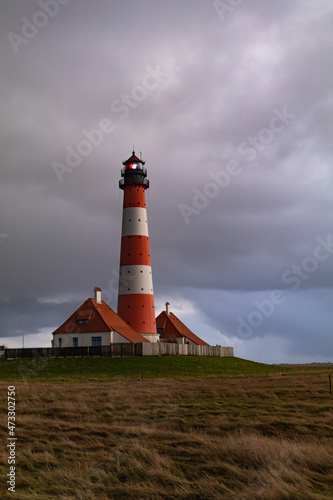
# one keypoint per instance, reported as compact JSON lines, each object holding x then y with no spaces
{"x":231,"y":105}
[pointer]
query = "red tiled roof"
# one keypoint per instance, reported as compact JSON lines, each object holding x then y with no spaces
{"x":173,"y":327}
{"x":85,"y":314}
{"x":101,"y":319}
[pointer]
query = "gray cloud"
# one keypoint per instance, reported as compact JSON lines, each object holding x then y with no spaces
{"x":222,"y":82}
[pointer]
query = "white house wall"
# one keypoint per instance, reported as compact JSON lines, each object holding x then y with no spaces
{"x":84,"y":339}
{"x":116,"y":338}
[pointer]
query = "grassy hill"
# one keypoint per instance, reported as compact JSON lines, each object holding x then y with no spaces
{"x":237,"y":431}
{"x":81,"y":369}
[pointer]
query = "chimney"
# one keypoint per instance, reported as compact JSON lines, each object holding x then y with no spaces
{"x":98,"y":295}
{"x":167,"y":308}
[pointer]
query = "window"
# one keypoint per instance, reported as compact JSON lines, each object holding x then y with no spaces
{"x":60,"y":342}
{"x":84,"y":316}
{"x":96,"y":341}
{"x":75,"y":341}
{"x":160,"y":331}
{"x":134,"y":166}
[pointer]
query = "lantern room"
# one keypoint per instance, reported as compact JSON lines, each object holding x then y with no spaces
{"x":133,"y":172}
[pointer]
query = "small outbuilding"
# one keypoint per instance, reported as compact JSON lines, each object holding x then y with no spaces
{"x":171,"y":329}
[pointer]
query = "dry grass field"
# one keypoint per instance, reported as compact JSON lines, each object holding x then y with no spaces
{"x":237,"y":437}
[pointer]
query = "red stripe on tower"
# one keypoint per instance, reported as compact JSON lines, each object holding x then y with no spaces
{"x":135,"y":296}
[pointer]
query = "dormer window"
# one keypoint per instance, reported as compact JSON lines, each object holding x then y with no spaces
{"x":82,"y":321}
{"x":84,"y":317}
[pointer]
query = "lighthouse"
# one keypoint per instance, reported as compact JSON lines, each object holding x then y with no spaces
{"x":95,"y":325}
{"x":135,"y":295}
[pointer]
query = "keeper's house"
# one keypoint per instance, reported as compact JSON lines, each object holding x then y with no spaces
{"x":94,"y":323}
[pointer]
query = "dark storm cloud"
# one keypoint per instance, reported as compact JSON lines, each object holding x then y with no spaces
{"x":221,"y":80}
{"x":32,"y":315}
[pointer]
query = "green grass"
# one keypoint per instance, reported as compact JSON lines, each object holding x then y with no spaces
{"x":81,"y":369}
{"x":238,"y":437}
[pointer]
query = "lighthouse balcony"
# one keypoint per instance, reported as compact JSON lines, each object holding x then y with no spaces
{"x":133,"y":179}
{"x":133,"y":170}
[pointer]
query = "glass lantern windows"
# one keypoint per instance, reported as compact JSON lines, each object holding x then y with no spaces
{"x":134,"y":166}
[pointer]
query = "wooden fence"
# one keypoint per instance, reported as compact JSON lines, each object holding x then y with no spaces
{"x":105,"y":351}
{"x":120,"y":350}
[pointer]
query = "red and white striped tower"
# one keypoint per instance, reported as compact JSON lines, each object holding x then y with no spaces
{"x":136,"y":296}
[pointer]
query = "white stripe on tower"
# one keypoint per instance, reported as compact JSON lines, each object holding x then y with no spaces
{"x":134,"y":222}
{"x":135,"y":279}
